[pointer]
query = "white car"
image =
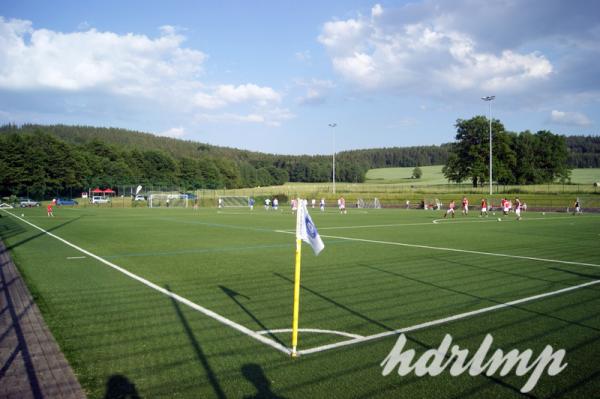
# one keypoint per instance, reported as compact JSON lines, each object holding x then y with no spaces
{"x":139,"y":198}
{"x":99,"y":200}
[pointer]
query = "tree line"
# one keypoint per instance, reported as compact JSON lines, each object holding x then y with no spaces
{"x":518,"y":158}
{"x":45,"y":161}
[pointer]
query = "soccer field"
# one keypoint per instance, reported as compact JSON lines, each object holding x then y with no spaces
{"x":198,"y":303}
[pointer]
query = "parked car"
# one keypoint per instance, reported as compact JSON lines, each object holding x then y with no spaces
{"x":139,"y":198}
{"x":27,"y":203}
{"x":65,"y":202}
{"x":99,"y":200}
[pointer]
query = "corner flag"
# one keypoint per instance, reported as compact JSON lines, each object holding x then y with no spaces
{"x":305,"y":231}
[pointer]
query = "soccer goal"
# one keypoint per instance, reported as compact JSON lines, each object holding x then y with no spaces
{"x":233,"y":202}
{"x":168,"y":200}
{"x":370,"y":204}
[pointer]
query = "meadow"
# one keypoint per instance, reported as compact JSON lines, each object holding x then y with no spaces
{"x":433,"y":175}
{"x":198,"y":302}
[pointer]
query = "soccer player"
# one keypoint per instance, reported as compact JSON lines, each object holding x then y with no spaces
{"x":294,"y":204}
{"x":313,"y":202}
{"x":518,"y":208}
{"x":483,"y":208}
{"x":49,"y":209}
{"x":322,"y":204}
{"x":505,"y":206}
{"x":577,"y":207}
{"x":267,"y":204}
{"x":220,"y":202}
{"x":342,"y":203}
{"x":465,"y":206}
{"x":275,"y":203}
{"x":451,"y":207}
{"x":251,"y":203}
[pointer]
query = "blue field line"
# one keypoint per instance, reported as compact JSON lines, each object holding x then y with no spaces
{"x":220,"y":225}
{"x":214,"y":250}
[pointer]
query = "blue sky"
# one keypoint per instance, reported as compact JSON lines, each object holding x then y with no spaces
{"x":271,"y":75}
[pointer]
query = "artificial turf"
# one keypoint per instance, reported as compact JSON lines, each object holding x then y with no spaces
{"x":119,"y":334}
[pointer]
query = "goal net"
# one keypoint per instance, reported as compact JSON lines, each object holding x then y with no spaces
{"x":168,"y":200}
{"x":370,"y":204}
{"x":233,"y":202}
{"x":432,"y":204}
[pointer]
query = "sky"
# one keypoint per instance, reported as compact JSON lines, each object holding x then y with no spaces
{"x":272,"y":76}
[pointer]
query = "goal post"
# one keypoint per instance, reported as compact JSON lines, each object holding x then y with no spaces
{"x":168,"y":200}
{"x":368,"y":204}
{"x":239,"y":201}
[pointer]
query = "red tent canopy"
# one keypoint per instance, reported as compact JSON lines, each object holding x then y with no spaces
{"x":109,"y":191}
{"x":97,"y":191}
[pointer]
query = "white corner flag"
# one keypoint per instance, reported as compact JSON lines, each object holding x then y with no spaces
{"x":306,"y":229}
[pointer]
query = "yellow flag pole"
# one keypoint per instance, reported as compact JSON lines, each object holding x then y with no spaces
{"x":296,"y":297}
{"x":299,"y":214}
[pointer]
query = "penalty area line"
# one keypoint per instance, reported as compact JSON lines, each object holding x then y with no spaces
{"x":402,"y":244}
{"x":187,"y":302}
{"x":443,"y":320}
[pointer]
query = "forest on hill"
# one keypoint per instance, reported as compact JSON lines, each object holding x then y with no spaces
{"x":48,"y":160}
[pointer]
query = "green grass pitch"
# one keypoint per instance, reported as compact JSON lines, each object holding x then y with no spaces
{"x":381,"y":270}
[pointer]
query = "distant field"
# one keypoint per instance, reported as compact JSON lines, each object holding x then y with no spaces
{"x":433,"y":175}
{"x":585,"y":176}
{"x":529,"y":283}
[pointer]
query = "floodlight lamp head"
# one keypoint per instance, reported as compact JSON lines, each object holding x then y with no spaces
{"x":488,"y":98}
{"x":332,"y":124}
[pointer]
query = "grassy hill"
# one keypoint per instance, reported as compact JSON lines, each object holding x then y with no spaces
{"x":433,"y":175}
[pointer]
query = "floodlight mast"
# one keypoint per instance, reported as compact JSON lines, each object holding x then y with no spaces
{"x":333,"y":125}
{"x":489,"y":99}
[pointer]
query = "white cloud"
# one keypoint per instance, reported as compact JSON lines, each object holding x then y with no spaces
{"x":376,"y":11}
{"x":174,"y":132}
{"x":569,"y":118}
{"x":376,"y":53}
{"x":247,"y":92}
{"x":269,"y":117}
{"x":315,"y":90}
{"x":120,"y":64}
{"x":160,"y":70}
{"x":303,"y":56}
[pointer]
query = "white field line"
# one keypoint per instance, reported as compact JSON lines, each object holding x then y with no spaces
{"x":402,"y":244}
{"x":311,"y":330}
{"x":76,"y":257}
{"x":444,"y":320}
{"x":437,"y":221}
{"x":201,"y":309}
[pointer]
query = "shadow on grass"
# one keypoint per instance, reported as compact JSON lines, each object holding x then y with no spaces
{"x":255,"y":374}
{"x":592,"y":276}
{"x":233,"y":295}
{"x":210,"y":374}
{"x":22,"y":346}
{"x":388,"y":328}
{"x":39,"y":234}
{"x":520,"y":307}
{"x":119,"y":387}
{"x":9,"y":226}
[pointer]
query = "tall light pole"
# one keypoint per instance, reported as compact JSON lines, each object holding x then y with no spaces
{"x":489,"y":99}
{"x":333,"y":125}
